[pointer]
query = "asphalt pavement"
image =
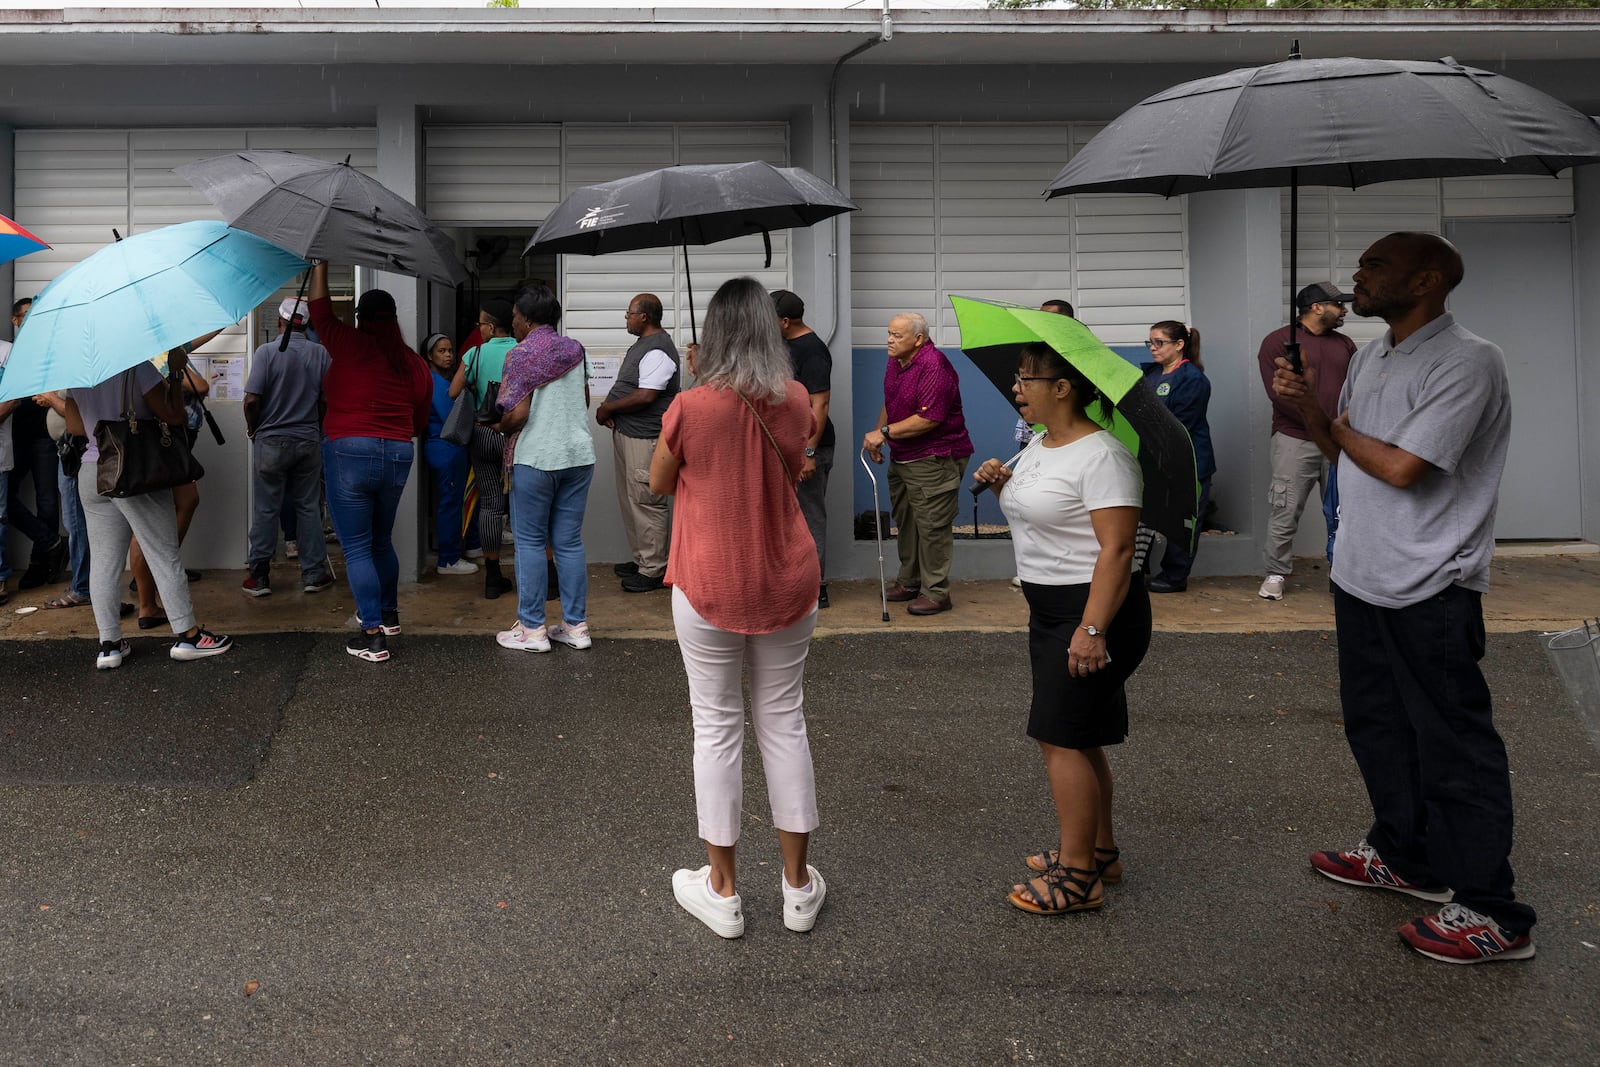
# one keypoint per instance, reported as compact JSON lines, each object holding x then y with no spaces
{"x":286,"y":856}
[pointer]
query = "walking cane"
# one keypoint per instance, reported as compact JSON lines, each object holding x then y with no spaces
{"x":877,"y":530}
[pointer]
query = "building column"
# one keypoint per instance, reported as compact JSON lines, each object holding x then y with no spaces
{"x":1586,"y":285}
{"x":400,"y":168}
{"x":1236,"y":297}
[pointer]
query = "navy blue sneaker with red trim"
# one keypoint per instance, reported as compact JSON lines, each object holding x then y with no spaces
{"x":1457,"y":934}
{"x":1364,"y":867}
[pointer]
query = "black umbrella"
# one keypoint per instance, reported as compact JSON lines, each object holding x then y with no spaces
{"x":1344,"y":122}
{"x":322,"y":210}
{"x":699,"y":204}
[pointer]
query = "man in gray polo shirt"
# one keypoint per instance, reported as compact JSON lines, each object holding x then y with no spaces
{"x":646,"y":383}
{"x":282,"y":414}
{"x":1424,"y":420}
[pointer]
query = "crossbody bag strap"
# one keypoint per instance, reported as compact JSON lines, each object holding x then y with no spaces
{"x":763,"y":424}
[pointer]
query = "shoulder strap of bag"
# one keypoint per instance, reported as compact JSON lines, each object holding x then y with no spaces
{"x":763,"y":424}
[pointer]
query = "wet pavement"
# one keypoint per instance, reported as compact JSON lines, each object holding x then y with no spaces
{"x":463,"y":856}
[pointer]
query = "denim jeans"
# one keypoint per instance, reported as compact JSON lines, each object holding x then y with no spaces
{"x":287,"y":470}
{"x":450,"y":467}
{"x":548,"y":505}
{"x":366,"y":476}
{"x":37,"y":458}
{"x":77,"y":533}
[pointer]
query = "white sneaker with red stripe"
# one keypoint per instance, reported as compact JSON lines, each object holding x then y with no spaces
{"x":202,"y":644}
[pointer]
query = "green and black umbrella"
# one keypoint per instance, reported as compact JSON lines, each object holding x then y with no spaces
{"x":992,"y":336}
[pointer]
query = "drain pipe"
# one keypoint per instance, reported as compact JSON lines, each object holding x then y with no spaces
{"x":885,"y":33}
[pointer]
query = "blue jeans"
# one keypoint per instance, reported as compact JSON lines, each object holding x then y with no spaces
{"x":550,"y":503}
{"x":288,"y":470}
{"x":77,"y":533}
{"x":366,"y":476}
{"x":450,"y":466}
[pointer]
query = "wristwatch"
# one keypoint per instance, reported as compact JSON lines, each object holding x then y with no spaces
{"x":884,"y":431}
{"x":1093,"y":631}
{"x":811,"y":453}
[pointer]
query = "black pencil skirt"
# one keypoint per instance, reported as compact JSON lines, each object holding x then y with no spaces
{"x":1092,"y":710}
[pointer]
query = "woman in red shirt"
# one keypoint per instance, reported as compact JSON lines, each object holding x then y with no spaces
{"x":744,"y":577}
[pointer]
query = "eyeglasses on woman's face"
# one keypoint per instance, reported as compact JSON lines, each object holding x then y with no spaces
{"x":1019,"y":378}
{"x":1160,"y":342}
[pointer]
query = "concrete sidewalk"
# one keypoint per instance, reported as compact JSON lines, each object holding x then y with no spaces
{"x":1534,"y":588}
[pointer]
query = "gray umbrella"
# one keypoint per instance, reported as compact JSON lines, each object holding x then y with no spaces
{"x":1345,"y":122}
{"x":699,"y":204}
{"x":322,"y":210}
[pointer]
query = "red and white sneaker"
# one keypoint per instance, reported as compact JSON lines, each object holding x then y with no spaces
{"x":1457,"y":934}
{"x":1364,"y":867}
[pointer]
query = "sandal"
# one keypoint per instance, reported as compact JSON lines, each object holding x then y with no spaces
{"x":1104,"y":860}
{"x":68,"y":599}
{"x":1066,"y":889}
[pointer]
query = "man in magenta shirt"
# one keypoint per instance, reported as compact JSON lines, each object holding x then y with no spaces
{"x":922,"y":423}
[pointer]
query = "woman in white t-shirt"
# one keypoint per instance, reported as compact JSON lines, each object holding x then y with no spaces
{"x":1072,"y":499}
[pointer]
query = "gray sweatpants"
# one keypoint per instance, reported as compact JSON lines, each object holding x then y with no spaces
{"x":112,"y":523}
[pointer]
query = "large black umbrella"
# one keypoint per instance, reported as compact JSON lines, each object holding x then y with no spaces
{"x":1344,"y":122}
{"x":322,"y":210}
{"x":699,"y":204}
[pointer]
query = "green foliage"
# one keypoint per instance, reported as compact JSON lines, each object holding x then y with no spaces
{"x":503,"y":3}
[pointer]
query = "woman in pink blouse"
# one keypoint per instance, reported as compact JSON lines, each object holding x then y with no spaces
{"x":744,"y":576}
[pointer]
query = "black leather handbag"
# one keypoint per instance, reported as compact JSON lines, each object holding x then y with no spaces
{"x":141,"y":455}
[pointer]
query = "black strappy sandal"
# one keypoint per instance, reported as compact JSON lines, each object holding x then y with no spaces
{"x":1070,"y":886}
{"x":1103,"y":859}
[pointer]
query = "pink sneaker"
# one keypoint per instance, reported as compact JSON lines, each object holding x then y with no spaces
{"x":575,"y":636}
{"x":523,"y":639}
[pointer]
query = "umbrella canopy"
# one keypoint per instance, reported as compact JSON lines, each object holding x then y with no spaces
{"x":992,"y":336}
{"x":136,"y":298}
{"x":15,"y":242}
{"x":1345,"y":122}
{"x":692,"y":205}
{"x":699,"y":204}
{"x":322,"y":210}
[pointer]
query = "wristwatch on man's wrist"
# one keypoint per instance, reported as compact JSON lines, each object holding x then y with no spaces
{"x":811,"y":453}
{"x":884,"y":431}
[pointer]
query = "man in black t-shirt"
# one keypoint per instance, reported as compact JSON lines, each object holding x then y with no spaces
{"x":35,"y":456}
{"x":813,"y":368}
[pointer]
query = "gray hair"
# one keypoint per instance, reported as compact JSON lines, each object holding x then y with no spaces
{"x":742,"y":349}
{"x":918,"y":323}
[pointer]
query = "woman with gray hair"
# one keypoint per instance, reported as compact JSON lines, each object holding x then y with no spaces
{"x":744,"y":574}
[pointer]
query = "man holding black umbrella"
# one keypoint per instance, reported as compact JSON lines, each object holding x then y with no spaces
{"x":1421,"y":438}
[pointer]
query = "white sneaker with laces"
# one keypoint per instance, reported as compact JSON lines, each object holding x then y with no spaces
{"x":800,"y":906}
{"x":460,"y":566}
{"x":724,"y":915}
{"x":473,"y":553}
{"x":1272,"y":588}
{"x":575,"y":636}
{"x":111,"y":654}
{"x":523,"y":639}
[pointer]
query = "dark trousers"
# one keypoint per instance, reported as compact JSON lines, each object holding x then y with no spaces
{"x":1418,"y":718}
{"x":42,"y":524}
{"x":1179,"y":559}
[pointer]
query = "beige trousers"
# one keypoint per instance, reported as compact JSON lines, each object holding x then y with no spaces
{"x":646,"y":517}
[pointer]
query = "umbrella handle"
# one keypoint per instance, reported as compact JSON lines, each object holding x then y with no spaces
{"x":689,"y":283}
{"x":283,"y":342}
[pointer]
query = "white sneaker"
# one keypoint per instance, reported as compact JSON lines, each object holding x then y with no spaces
{"x":1272,"y":588}
{"x":523,"y":639}
{"x":291,"y":550}
{"x":111,"y":654}
{"x":506,"y":537}
{"x":473,"y":553}
{"x":800,"y":906}
{"x":576,"y":636}
{"x":1016,"y":582}
{"x":725,"y":915}
{"x":460,"y":566}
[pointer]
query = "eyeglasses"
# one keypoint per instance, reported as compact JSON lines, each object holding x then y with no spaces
{"x":1160,"y":342}
{"x":1020,"y":378}
{"x":631,"y":313}
{"x":485,"y":324}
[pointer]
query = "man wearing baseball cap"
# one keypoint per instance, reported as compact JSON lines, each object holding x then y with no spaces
{"x":1298,"y":465}
{"x":281,"y":401}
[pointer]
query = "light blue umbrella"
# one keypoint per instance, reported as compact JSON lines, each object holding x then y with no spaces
{"x":135,"y":299}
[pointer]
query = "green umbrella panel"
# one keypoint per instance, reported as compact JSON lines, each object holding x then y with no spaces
{"x":992,"y":336}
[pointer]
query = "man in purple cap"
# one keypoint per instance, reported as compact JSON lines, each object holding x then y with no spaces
{"x":1298,"y":465}
{"x":922,"y":423}
{"x":282,"y":415}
